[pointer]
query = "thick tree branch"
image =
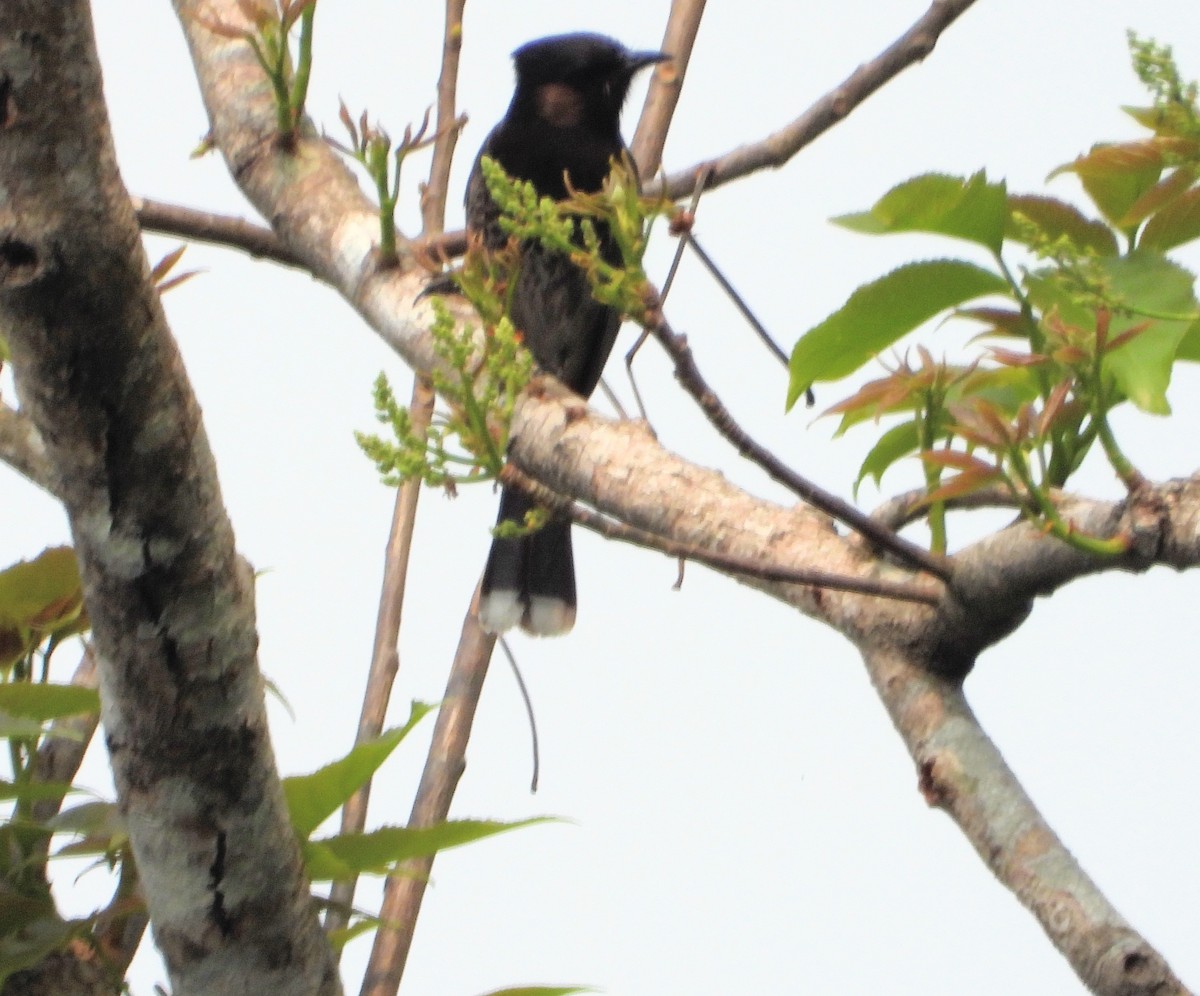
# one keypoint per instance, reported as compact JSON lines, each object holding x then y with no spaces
{"x":961,"y":772}
{"x":734,"y":566}
{"x":776,"y":149}
{"x":170,"y":603}
{"x":666,"y":83}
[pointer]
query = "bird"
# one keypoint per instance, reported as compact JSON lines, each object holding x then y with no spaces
{"x":562,"y":130}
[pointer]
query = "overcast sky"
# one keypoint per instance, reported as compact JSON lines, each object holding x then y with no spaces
{"x":742,"y":817}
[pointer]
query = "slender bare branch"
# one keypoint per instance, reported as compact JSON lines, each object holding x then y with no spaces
{"x":961,"y":772}
{"x":21,"y":447}
{"x":688,"y":374}
{"x":899,"y":511}
{"x":218,"y":229}
{"x":726,"y":564}
{"x":665,"y":86}
{"x":776,"y":149}
{"x":444,"y":766}
{"x":433,"y":197}
{"x":62,"y":750}
{"x":385,"y":657}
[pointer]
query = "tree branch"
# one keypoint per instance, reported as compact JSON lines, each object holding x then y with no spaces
{"x":444,"y":766}
{"x":735,"y":566}
{"x":666,"y":83}
{"x":218,"y":229}
{"x":776,"y":149}
{"x":962,"y":773}
{"x":21,"y":447}
{"x":688,"y":374}
{"x":171,"y":605}
{"x":433,"y":197}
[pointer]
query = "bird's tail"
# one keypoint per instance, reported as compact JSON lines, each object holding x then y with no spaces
{"x":530,"y":580}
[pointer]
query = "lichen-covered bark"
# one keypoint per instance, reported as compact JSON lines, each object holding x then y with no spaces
{"x":170,"y":602}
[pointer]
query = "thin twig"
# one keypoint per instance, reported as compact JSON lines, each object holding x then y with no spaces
{"x":739,"y":302}
{"x":385,"y":657}
{"x":444,"y":766}
{"x":524,"y":690}
{"x":61,"y":751}
{"x":776,"y":149}
{"x":217,"y":229}
{"x":725,"y":563}
{"x":433,"y":197}
{"x":665,"y":86}
{"x":258,"y":240}
{"x":685,"y":235}
{"x":899,"y":511}
{"x":688,"y":374}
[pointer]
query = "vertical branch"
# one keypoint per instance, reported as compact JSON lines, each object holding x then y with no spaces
{"x":444,"y":766}
{"x":385,"y":657}
{"x":433,"y":198}
{"x":665,"y":86}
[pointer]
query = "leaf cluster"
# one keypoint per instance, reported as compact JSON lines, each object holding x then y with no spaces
{"x":1094,"y":316}
{"x":271,"y":23}
{"x":479,"y":379}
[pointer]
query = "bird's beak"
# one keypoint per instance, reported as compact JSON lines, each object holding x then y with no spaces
{"x":640,"y":60}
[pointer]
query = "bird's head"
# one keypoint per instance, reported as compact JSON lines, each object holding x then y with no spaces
{"x":578,"y":79}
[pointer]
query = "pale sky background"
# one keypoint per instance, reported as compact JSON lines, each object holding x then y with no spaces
{"x":743,"y":818}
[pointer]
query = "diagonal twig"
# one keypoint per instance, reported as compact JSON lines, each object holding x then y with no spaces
{"x":433,"y":197}
{"x":688,"y":374}
{"x":444,"y":766}
{"x":776,"y":149}
{"x":665,"y":86}
{"x":385,"y":657}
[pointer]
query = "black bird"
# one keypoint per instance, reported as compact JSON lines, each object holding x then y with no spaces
{"x":564,"y":121}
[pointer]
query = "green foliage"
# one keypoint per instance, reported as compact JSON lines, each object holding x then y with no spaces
{"x":41,"y":605}
{"x":272,"y":22}
{"x":569,"y":227}
{"x":1094,"y":316}
{"x":480,"y":382}
{"x":371,"y":147}
{"x":481,"y":375}
{"x":313,"y":798}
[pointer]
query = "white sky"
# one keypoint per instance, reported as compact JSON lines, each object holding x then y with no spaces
{"x":743,"y":819}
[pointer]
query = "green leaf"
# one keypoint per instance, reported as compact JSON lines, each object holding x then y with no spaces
{"x":970,"y":209}
{"x":30,"y":929}
{"x":25,"y":700}
{"x":346,"y":855}
{"x":1149,"y":284}
{"x":37,"y":598}
{"x":899,"y":441}
{"x":1115,"y":176}
{"x":1057,"y":218}
{"x":312,"y":799}
{"x":879,"y":313}
{"x":1177,"y":223}
{"x":17,"y":728}
{"x":89,"y":819}
{"x":35,"y":791}
{"x":1189,"y":346}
